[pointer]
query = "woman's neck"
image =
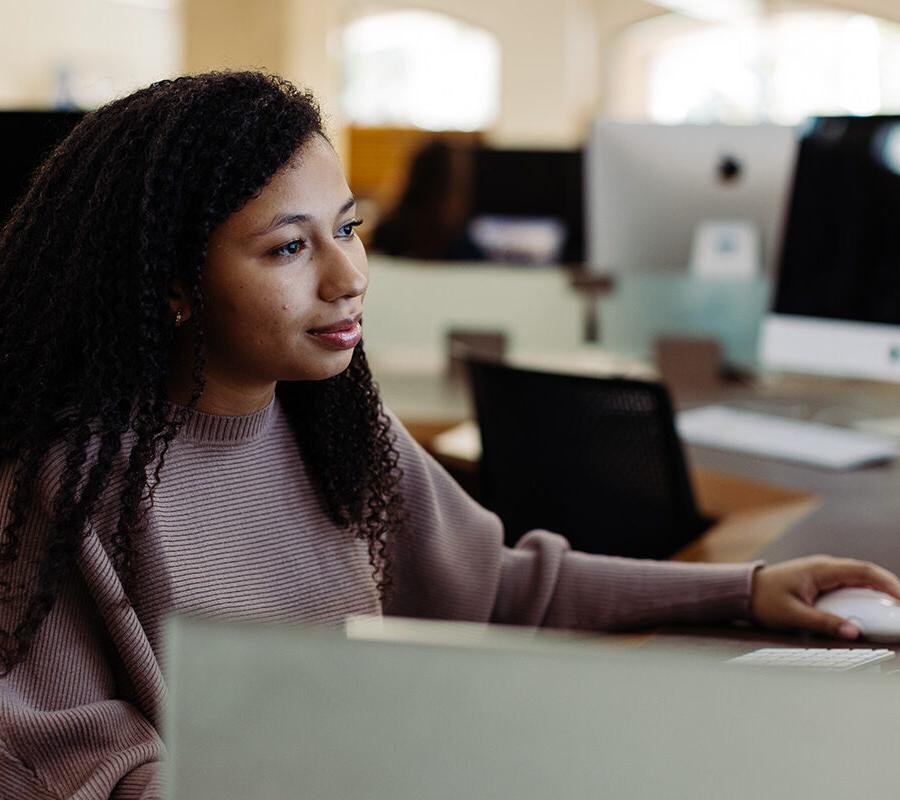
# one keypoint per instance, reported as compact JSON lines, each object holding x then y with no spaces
{"x":219,"y":396}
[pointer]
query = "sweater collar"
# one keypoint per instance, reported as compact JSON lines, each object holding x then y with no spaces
{"x":204,"y":427}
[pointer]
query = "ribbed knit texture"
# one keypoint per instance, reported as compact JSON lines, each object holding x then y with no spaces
{"x":237,"y":530}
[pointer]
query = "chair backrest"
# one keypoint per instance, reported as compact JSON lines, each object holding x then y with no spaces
{"x":594,"y":459}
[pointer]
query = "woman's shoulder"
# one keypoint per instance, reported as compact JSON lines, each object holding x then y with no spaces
{"x":418,"y":466}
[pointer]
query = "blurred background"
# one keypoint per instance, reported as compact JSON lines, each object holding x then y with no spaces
{"x":647,"y":147}
{"x":394,"y":75}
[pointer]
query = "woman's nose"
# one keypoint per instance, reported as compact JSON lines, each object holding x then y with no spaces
{"x":343,"y":274}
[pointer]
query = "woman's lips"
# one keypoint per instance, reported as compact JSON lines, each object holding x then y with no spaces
{"x":340,"y":336}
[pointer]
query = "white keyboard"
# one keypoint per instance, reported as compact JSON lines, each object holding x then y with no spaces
{"x":787,"y":439}
{"x":827,"y":658}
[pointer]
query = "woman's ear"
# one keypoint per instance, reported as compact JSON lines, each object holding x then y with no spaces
{"x":179,"y":303}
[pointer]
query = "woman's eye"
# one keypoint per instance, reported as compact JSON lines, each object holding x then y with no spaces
{"x":289,"y":249}
{"x":346,"y":231}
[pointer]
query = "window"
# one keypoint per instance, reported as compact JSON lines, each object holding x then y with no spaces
{"x":422,"y":69}
{"x":779,"y":68}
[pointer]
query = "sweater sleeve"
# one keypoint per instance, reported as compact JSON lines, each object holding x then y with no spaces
{"x":65,"y":729}
{"x":450,"y":562}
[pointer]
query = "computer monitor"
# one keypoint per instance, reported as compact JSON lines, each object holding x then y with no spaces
{"x":836,"y":308}
{"x":533,"y":184}
{"x":26,"y":138}
{"x":522,"y":206}
{"x":438,"y":710}
{"x":650,"y":186}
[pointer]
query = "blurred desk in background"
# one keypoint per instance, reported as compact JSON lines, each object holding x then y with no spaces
{"x":769,"y":509}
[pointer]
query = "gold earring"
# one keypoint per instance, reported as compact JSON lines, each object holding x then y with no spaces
{"x":178,"y":315}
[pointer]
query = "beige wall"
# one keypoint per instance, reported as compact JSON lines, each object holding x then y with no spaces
{"x":555,"y":74}
{"x":552,"y":76}
{"x":233,"y":33}
{"x":288,"y":37}
{"x":107,"y":48}
{"x":555,"y":55}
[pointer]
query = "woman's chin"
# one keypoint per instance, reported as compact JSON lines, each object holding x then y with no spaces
{"x":325,"y":368}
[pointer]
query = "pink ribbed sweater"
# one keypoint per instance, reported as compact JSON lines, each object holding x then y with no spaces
{"x":237,"y":531}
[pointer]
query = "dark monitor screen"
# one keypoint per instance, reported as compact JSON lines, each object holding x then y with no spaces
{"x":840,"y":255}
{"x":533,"y":183}
{"x":26,"y":138}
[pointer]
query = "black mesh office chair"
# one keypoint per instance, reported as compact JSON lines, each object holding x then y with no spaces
{"x":595,"y":459}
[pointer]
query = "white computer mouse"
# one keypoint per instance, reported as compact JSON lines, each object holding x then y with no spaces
{"x":876,"y":614}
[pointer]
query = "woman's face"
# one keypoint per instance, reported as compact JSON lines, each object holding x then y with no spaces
{"x":285,"y":279}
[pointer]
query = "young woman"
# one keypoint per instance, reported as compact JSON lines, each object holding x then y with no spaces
{"x":188,"y":424}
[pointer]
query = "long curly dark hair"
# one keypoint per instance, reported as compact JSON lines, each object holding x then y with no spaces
{"x":119,"y":211}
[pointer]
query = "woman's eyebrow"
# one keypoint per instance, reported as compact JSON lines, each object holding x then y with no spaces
{"x":280,"y":220}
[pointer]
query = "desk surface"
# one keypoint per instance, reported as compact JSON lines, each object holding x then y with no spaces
{"x":858,"y":513}
{"x":859,"y":509}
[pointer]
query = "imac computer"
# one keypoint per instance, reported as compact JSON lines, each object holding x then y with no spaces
{"x":652,"y":188}
{"x":836,"y":308}
{"x":26,"y":139}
